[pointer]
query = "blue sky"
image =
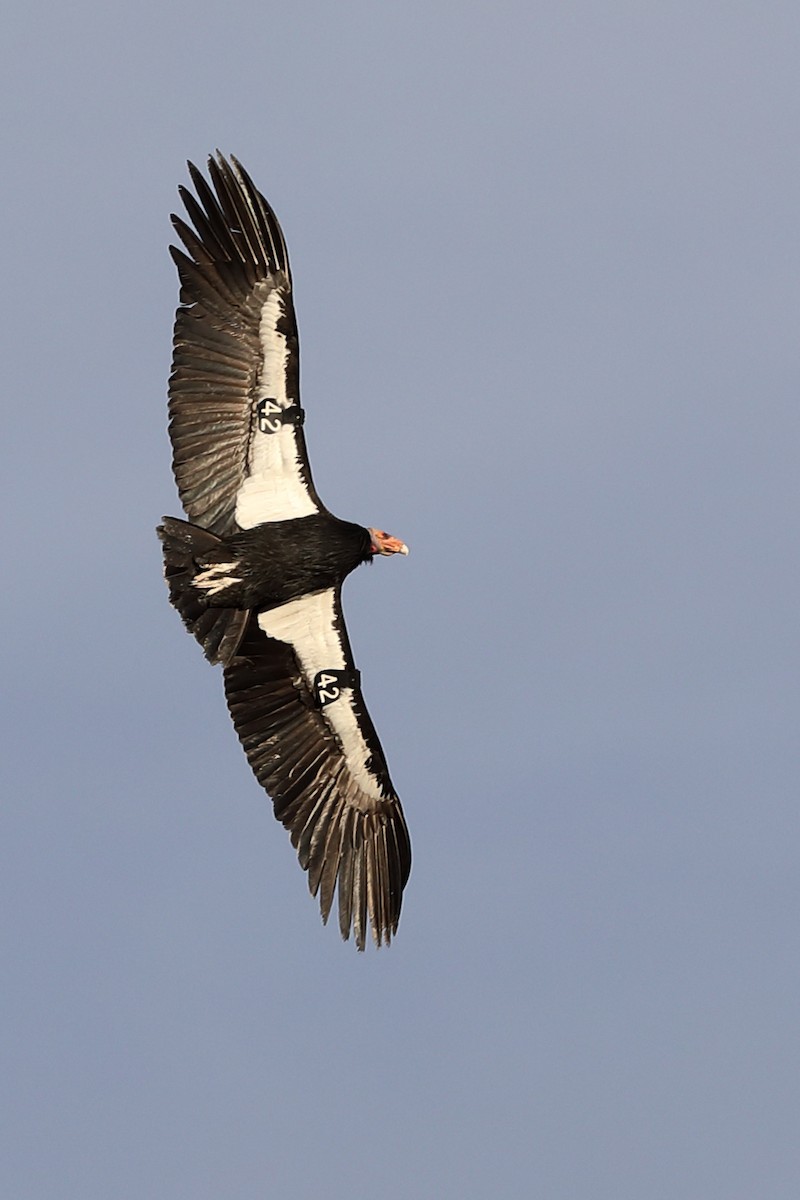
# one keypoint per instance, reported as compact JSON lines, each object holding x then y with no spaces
{"x":547,"y":277}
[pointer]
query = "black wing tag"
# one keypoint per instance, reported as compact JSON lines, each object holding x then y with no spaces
{"x":328,"y":685}
{"x":272,"y":416}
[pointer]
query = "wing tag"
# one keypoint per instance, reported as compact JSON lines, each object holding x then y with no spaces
{"x":273,"y":416}
{"x":328,"y":685}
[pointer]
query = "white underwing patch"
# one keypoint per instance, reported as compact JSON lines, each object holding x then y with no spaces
{"x":309,"y":626}
{"x":274,"y":489}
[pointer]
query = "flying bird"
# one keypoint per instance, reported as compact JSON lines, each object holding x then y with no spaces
{"x":256,"y":572}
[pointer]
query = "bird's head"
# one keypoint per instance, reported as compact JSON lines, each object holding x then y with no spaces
{"x":384,"y":543}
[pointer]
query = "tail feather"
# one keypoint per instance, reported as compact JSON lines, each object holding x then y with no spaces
{"x":218,"y":630}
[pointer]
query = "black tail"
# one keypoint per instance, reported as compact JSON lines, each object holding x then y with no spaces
{"x":218,"y":630}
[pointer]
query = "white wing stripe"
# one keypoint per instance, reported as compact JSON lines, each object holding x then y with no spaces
{"x":274,"y":489}
{"x":309,"y":626}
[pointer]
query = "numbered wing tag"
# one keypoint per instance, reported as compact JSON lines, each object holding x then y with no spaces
{"x":272,"y":416}
{"x":328,"y":685}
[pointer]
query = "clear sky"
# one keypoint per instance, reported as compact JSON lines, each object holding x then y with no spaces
{"x":547,"y":276}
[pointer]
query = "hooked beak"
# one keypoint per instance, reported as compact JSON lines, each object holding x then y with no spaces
{"x":384,"y":543}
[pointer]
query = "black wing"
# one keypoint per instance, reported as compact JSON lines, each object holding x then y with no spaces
{"x":297,"y":707}
{"x":239,"y":453}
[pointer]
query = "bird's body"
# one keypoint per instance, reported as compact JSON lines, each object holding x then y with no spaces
{"x":256,"y":572}
{"x":278,"y":561}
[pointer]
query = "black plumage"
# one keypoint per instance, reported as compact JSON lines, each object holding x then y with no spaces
{"x":256,"y":572}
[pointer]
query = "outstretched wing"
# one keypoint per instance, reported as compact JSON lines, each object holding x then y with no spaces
{"x":296,"y":703}
{"x":239,"y":454}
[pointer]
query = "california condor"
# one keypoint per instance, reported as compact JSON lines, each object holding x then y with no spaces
{"x":256,"y":572}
